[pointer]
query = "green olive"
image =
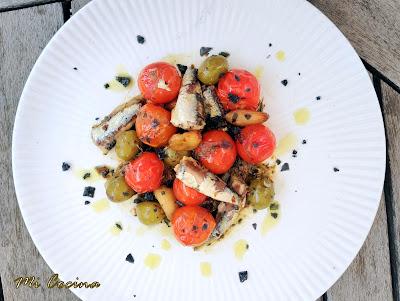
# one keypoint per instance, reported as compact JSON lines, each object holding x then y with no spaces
{"x":212,"y":68}
{"x":261,"y":193}
{"x":150,"y":213}
{"x":117,"y":190}
{"x":127,"y":145}
{"x":173,"y":157}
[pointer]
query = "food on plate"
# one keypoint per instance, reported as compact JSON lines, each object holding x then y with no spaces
{"x":239,"y":89}
{"x":188,"y":112}
{"x":153,"y":125}
{"x":194,"y":150}
{"x":159,"y":82}
{"x":119,"y":120}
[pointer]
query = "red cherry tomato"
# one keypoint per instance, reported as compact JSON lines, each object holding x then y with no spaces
{"x":255,"y":143}
{"x":159,"y":82}
{"x":239,"y":89}
{"x":186,"y":194}
{"x":145,"y":173}
{"x":192,"y":225}
{"x":153,"y":125}
{"x":217,"y":151}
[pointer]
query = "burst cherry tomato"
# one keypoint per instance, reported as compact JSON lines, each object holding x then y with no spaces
{"x":186,"y":194}
{"x":153,"y":125}
{"x":217,"y":151}
{"x":239,"y":89}
{"x":255,"y":143}
{"x":192,"y":225}
{"x":159,"y":82}
{"x":145,"y":173}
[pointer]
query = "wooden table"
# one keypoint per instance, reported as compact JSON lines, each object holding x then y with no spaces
{"x":372,"y":26}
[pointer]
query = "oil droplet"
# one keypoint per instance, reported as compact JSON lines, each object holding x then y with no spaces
{"x":152,"y":261}
{"x":258,"y":72}
{"x":141,"y":230}
{"x":272,"y":218}
{"x":175,"y":58}
{"x":205,"y":269}
{"x":114,"y":230}
{"x":165,"y":230}
{"x":80,"y":172}
{"x":280,"y":55}
{"x":120,"y":85}
{"x":101,"y":205}
{"x":302,"y":116}
{"x":165,"y":245}
{"x":240,"y":248}
{"x":286,"y":144}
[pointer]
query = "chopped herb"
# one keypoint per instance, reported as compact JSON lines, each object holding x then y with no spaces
{"x":274,"y":215}
{"x":224,"y":54}
{"x":243,"y":276}
{"x":254,"y":226}
{"x":106,"y":85}
{"x":129,"y":258}
{"x":118,"y":226}
{"x":240,"y":220}
{"x":125,"y":193}
{"x":205,"y":50}
{"x":304,"y":141}
{"x":335,"y":169}
{"x":284,"y":82}
{"x":237,"y":77}
{"x":65,"y":166}
{"x":123,"y":80}
{"x":233,"y":98}
{"x":86,"y":175}
{"x":75,"y":68}
{"x":87,"y":202}
{"x":89,"y":191}
{"x":278,"y":161}
{"x":140,"y":39}
{"x":182,"y":68}
{"x":318,"y":98}
{"x":285,"y":167}
{"x":270,"y":44}
{"x":274,"y":206}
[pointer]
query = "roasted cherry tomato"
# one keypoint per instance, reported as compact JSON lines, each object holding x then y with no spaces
{"x":217,"y":151}
{"x":153,"y":125}
{"x":159,"y":82}
{"x":239,"y":89}
{"x":145,"y":173}
{"x":192,"y":225}
{"x":255,"y":143}
{"x":186,"y":194}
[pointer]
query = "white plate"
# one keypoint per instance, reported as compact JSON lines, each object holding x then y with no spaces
{"x":326,"y":215}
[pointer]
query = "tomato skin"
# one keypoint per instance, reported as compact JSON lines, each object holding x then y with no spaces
{"x":217,"y":151}
{"x":153,"y":126}
{"x":186,"y":194}
{"x":159,"y":82}
{"x":239,"y":89}
{"x":145,"y":173}
{"x":255,"y":143}
{"x":192,"y":225}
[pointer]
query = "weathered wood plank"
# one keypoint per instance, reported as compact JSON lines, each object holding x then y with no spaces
{"x":23,"y":35}
{"x":372,"y":26}
{"x":11,"y":4}
{"x":391,"y":110}
{"x":78,"y":4}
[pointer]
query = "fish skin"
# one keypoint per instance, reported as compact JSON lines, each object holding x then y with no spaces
{"x":122,"y":118}
{"x":188,"y":112}
{"x":212,"y":105}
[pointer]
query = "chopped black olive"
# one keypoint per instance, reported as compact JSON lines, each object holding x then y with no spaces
{"x":182,"y":68}
{"x":216,"y":122}
{"x":87,"y":202}
{"x":155,"y":123}
{"x":89,"y":191}
{"x":270,"y":44}
{"x":149,"y":196}
{"x":294,"y":153}
{"x":237,"y":77}
{"x":335,"y":169}
{"x":233,"y":98}
{"x":318,"y":98}
{"x":299,"y":73}
{"x":134,"y":296}
{"x":224,"y":54}
{"x":240,"y":220}
{"x":97,"y":118}
{"x":75,"y":68}
{"x":138,"y":199}
{"x":285,"y":167}
{"x":247,"y":246}
{"x":278,"y":161}
{"x":243,"y":276}
{"x":284,"y":82}
{"x":129,"y":258}
{"x":205,"y":50}
{"x":123,"y":80}
{"x":274,"y":215}
{"x":106,"y":85}
{"x":86,"y":175}
{"x":204,"y":227}
{"x":254,"y":226}
{"x":274,"y":206}
{"x":65,"y":166}
{"x":140,"y":39}
{"x":304,"y":141}
{"x":268,"y":56}
{"x":118,"y":226}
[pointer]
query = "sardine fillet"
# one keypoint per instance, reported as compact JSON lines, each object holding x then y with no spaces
{"x":120,"y":119}
{"x":192,"y":174}
{"x":188,"y":113}
{"x":212,"y":105}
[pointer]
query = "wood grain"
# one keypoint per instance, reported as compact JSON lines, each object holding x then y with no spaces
{"x":23,"y":35}
{"x":12,"y":4}
{"x":78,"y":4}
{"x":372,"y":26}
{"x":391,"y":110}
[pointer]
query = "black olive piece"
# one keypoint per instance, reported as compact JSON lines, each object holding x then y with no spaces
{"x":87,"y":202}
{"x":75,"y":68}
{"x":254,"y":226}
{"x":335,"y":169}
{"x":140,"y":39}
{"x":97,"y":118}
{"x":274,"y":206}
{"x":274,"y":215}
{"x":237,"y":77}
{"x":123,"y":80}
{"x":285,"y":167}
{"x":89,"y":191}
{"x":138,"y":199}
{"x":224,"y":54}
{"x":318,"y":98}
{"x":106,"y":85}
{"x":304,"y":141}
{"x":65,"y":166}
{"x":148,"y":196}
{"x":284,"y":82}
{"x":205,"y":50}
{"x":233,"y":98}
{"x":182,"y":68}
{"x":270,"y":44}
{"x":299,"y":73}
{"x":160,"y":153}
{"x":129,"y":258}
{"x":86,"y":175}
{"x":278,"y":161}
{"x":118,"y":226}
{"x":243,"y":276}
